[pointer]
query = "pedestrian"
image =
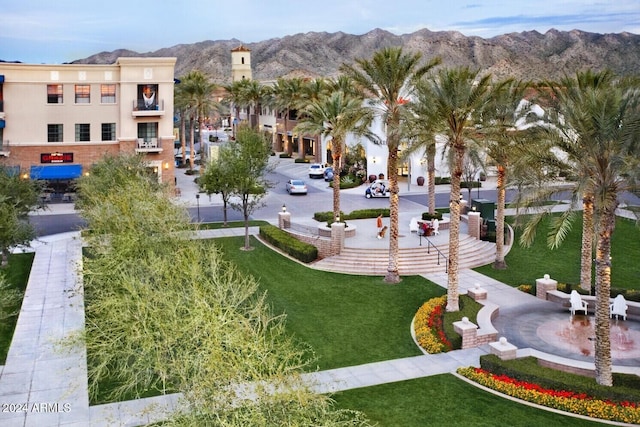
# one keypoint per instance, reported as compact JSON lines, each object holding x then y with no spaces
{"x":379,"y":222}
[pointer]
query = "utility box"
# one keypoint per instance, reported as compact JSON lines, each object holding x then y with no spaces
{"x":487,"y":208}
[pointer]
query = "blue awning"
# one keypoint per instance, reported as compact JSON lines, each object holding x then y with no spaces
{"x":2,"y":123}
{"x":56,"y":171}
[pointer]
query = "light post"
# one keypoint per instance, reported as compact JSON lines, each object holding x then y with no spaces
{"x":198,"y":204}
{"x":478,"y":188}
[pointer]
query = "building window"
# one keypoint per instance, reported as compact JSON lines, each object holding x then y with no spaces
{"x":83,"y":94}
{"x":54,"y":133}
{"x":54,"y":94}
{"x":83,"y":132}
{"x":108,"y":94}
{"x":147,"y":131}
{"x":108,"y":131}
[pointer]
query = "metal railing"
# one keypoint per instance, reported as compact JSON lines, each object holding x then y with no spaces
{"x":139,"y":105}
{"x":440,"y":254}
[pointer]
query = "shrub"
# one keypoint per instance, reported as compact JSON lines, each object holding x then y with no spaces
{"x":528,"y":289}
{"x":470,"y":184}
{"x":301,"y":160}
{"x":357,"y":214}
{"x":285,"y":156}
{"x":426,"y":216}
{"x":304,"y":252}
{"x":442,"y":180}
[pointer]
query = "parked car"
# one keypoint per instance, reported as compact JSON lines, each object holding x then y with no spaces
{"x":378,"y":188}
{"x":328,"y":174}
{"x":178,"y":156}
{"x":296,"y":186}
{"x":316,"y":170}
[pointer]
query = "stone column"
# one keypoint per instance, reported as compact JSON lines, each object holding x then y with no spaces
{"x":474,"y":224}
{"x":545,"y":284}
{"x":337,"y":238}
{"x":468,"y":331}
{"x":284,"y":219}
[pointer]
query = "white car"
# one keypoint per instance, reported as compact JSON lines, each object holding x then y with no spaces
{"x":316,"y":170}
{"x":178,"y":156}
{"x":296,"y":186}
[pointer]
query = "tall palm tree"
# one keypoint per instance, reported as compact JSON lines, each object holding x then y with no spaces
{"x":598,"y":119}
{"x":253,"y":94}
{"x":195,"y":96}
{"x":286,"y":97}
{"x":334,"y":116}
{"x":459,"y":97}
{"x":506,"y":133}
{"x":387,"y":80}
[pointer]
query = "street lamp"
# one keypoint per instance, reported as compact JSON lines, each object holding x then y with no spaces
{"x":198,"y":203}
{"x":478,"y":187}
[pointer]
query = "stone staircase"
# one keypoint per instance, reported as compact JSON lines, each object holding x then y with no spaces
{"x":411,"y":261}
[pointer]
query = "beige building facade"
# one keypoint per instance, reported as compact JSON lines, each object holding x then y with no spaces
{"x":58,"y":120}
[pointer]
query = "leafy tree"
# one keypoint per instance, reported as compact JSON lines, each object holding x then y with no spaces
{"x":334,"y":116}
{"x":387,"y":80}
{"x":18,"y":197}
{"x":246,"y":161}
{"x":217,"y":179}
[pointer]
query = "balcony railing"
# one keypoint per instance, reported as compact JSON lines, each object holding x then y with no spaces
{"x":149,"y":145}
{"x":140,"y":109}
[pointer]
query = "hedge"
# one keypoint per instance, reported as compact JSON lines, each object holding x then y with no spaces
{"x":357,"y":214}
{"x":301,"y":251}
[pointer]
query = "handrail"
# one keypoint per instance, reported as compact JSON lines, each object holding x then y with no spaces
{"x":446,"y":260}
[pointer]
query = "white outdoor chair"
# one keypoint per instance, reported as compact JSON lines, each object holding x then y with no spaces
{"x":436,"y":226}
{"x":577,"y":303}
{"x":153,"y":143}
{"x":618,"y":307}
{"x":413,"y":224}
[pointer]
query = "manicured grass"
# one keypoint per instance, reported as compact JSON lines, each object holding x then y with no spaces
{"x":525,"y":265}
{"x":348,"y":320}
{"x":17,"y":276}
{"x":444,"y":400}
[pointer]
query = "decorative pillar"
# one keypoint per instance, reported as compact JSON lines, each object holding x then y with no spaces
{"x":284,"y":218}
{"x":503,"y":349}
{"x":468,"y":331}
{"x":473,"y":223}
{"x":337,"y":237}
{"x":545,"y":284}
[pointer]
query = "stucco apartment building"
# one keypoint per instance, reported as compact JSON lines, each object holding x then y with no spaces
{"x":56,"y":121}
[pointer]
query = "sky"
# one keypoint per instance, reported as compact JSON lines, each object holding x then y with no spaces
{"x":53,"y":32}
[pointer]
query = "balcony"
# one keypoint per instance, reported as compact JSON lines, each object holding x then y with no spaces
{"x":150,"y":145}
{"x":141,"y":110}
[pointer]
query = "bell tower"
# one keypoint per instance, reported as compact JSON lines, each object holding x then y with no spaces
{"x":240,"y":64}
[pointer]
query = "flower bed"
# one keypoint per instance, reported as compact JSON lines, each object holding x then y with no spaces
{"x":577,"y":403}
{"x":427,"y":326}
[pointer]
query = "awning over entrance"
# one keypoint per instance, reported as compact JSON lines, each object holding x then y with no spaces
{"x":56,"y":171}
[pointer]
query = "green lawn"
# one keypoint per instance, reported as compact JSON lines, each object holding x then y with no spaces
{"x":17,"y":276}
{"x":348,"y":320}
{"x":525,"y":265}
{"x":444,"y":400}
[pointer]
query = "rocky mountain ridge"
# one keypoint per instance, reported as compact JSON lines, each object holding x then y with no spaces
{"x":527,"y":55}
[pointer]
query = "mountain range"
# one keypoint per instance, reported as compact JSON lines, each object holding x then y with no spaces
{"x":527,"y":55}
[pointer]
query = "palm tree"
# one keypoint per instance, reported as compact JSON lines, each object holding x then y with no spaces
{"x":459,"y":97}
{"x":286,"y":97}
{"x":387,"y":80}
{"x":597,"y":118}
{"x":195,"y":96}
{"x":506,"y":135}
{"x":236,"y":100}
{"x":253,"y":94}
{"x":334,"y":116}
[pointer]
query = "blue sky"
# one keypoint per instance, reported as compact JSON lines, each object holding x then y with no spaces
{"x":45,"y":31}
